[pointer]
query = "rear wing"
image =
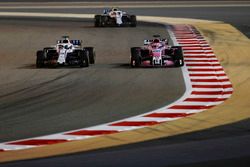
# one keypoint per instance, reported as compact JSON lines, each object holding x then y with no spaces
{"x":147,"y":41}
{"x":76,"y":42}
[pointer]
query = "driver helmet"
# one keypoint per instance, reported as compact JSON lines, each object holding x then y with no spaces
{"x":65,"y":41}
{"x":66,"y":47}
{"x":114,"y":9}
{"x":156,"y":41}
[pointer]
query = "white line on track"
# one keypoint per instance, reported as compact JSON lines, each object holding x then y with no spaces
{"x":86,"y":6}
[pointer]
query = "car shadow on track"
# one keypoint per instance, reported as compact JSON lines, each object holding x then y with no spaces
{"x":127,"y":66}
{"x":112,"y":66}
{"x":27,"y":66}
{"x":33,"y":66}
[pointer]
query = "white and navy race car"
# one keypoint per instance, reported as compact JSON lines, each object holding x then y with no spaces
{"x":115,"y":17}
{"x":65,"y":52}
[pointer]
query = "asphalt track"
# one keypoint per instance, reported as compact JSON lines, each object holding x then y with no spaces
{"x":237,"y":16}
{"x":105,"y":157}
{"x":37,"y":102}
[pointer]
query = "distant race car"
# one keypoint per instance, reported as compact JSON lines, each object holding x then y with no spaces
{"x":157,"y":52}
{"x":115,"y":17}
{"x":65,"y":52}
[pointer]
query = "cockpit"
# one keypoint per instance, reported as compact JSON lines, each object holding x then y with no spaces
{"x":156,"y":41}
{"x":114,"y":9}
{"x":65,"y":41}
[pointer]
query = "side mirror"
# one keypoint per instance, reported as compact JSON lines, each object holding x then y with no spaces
{"x":165,"y":40}
{"x":147,"y":41}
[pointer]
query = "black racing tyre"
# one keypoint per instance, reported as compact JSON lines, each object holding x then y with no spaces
{"x":133,"y":21}
{"x":52,"y":54}
{"x":145,"y":53}
{"x":169,"y":52}
{"x":178,"y":56}
{"x":83,"y":58}
{"x":104,"y":20}
{"x":92,"y":55}
{"x":125,"y":19}
{"x":47,"y":48}
{"x":97,"y":20}
{"x":135,"y":60}
{"x":39,"y":59}
{"x":179,"y":62}
{"x":52,"y":57}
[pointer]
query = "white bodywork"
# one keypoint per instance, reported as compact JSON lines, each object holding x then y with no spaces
{"x":64,"y":47}
{"x":115,"y":13}
{"x":157,"y":50}
{"x":63,"y":55}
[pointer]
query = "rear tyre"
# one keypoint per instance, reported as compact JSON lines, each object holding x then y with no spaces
{"x":133,"y":21}
{"x":145,"y":53}
{"x":178,"y":56}
{"x":103,"y":21}
{"x":39,"y":59}
{"x":52,"y":57}
{"x":47,"y":48}
{"x":92,"y":55}
{"x":135,"y":60}
{"x":83,"y":58}
{"x":97,"y":20}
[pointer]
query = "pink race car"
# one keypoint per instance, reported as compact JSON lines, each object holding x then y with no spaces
{"x":155,"y":53}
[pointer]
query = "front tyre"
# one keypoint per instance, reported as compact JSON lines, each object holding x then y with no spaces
{"x":133,"y":21}
{"x":103,"y":21}
{"x":135,"y":60}
{"x":97,"y":20}
{"x":83,"y":58}
{"x":178,"y":56}
{"x":179,"y":62}
{"x":92,"y":54}
{"x":39,"y":59}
